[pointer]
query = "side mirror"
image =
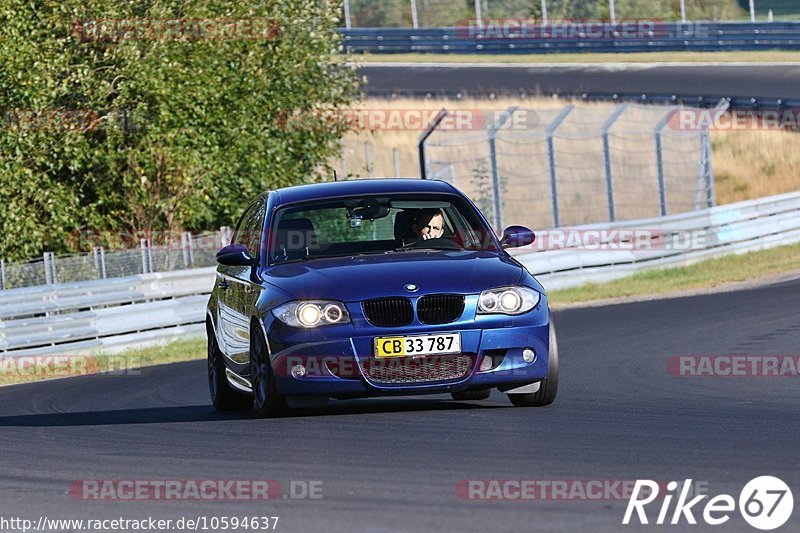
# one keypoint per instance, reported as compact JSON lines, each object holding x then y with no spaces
{"x":235,"y":255}
{"x":516,"y":237}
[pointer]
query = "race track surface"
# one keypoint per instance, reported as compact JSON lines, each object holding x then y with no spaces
{"x":394,"y":464}
{"x":740,"y":80}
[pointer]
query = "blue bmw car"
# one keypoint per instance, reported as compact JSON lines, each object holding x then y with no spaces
{"x":371,"y":288}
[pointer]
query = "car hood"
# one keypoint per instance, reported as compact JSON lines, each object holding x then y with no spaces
{"x":350,"y":279}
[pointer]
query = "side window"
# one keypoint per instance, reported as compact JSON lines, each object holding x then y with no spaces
{"x":251,"y":228}
{"x":255,"y":227}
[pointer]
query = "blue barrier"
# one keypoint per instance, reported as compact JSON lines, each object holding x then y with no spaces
{"x":661,"y":37}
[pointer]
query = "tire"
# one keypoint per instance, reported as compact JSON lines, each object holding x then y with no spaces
{"x":548,"y":388}
{"x":468,"y":395}
{"x":223,"y":396}
{"x":266,"y":400}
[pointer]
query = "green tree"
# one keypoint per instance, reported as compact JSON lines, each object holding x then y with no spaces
{"x":116,"y":131}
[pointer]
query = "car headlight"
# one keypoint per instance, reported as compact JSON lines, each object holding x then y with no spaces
{"x":311,"y":313}
{"x":507,"y":301}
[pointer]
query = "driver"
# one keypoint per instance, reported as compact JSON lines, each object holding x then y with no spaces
{"x":429,"y":224}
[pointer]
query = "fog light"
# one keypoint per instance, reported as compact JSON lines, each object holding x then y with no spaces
{"x":298,"y":371}
{"x":528,"y":355}
{"x":486,"y":364}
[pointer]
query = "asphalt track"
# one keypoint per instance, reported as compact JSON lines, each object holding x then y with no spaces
{"x":738,"y":80}
{"x":394,"y":464}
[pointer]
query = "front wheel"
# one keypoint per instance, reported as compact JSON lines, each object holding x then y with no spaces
{"x":268,"y":403}
{"x":223,"y":396}
{"x":548,"y":388}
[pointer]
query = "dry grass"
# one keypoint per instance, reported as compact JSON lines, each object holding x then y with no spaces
{"x":747,"y":164}
{"x":752,"y":164}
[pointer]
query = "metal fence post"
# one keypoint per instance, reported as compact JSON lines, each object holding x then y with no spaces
{"x":347,"y":22}
{"x":53,"y":271}
{"x":2,"y":274}
{"x":186,"y":243}
{"x":711,"y":197}
{"x":190,"y":242}
{"x":96,"y":260}
{"x":612,"y":214}
{"x":423,"y":161}
{"x":368,"y":158}
{"x":396,"y":158}
{"x":662,"y":192}
{"x":102,"y":254}
{"x":145,"y":246}
{"x":48,"y":274}
{"x":414,"y":19}
{"x":227,"y":235}
{"x":497,"y":194}
{"x":551,"y":160}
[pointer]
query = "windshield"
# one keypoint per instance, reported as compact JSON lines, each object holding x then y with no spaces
{"x":376,"y":224}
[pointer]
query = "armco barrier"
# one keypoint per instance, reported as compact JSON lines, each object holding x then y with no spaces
{"x":734,"y":228}
{"x":671,"y":37}
{"x":108,"y":315}
{"x":104,"y":315}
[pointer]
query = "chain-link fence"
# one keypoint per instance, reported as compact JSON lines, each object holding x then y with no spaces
{"x":577,"y":165}
{"x":191,"y":251}
{"x":433,"y":13}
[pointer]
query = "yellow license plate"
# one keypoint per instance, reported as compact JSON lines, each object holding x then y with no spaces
{"x":418,"y":345}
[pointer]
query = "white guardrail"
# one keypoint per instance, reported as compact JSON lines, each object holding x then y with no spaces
{"x":106,"y":316}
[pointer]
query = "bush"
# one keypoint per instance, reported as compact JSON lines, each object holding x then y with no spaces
{"x":158,"y":122}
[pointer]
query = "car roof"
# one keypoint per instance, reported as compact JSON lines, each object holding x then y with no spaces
{"x":358,"y":187}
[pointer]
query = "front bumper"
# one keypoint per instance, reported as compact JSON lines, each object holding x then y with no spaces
{"x":334,"y":358}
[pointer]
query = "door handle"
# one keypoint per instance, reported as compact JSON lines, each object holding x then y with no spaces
{"x":223,"y":285}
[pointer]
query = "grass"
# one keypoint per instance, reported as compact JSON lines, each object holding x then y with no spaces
{"x":754,"y":164}
{"x":770,"y":56}
{"x":703,"y":275}
{"x":27,"y":369}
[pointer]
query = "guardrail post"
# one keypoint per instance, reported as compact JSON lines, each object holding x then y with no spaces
{"x":48,"y":274}
{"x":551,"y":160}
{"x":497,"y":193}
{"x":662,"y":192}
{"x":423,"y":162}
{"x":612,"y":215}
{"x":2,"y":274}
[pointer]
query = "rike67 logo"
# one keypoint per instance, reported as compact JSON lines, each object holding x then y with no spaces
{"x":765,"y":503}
